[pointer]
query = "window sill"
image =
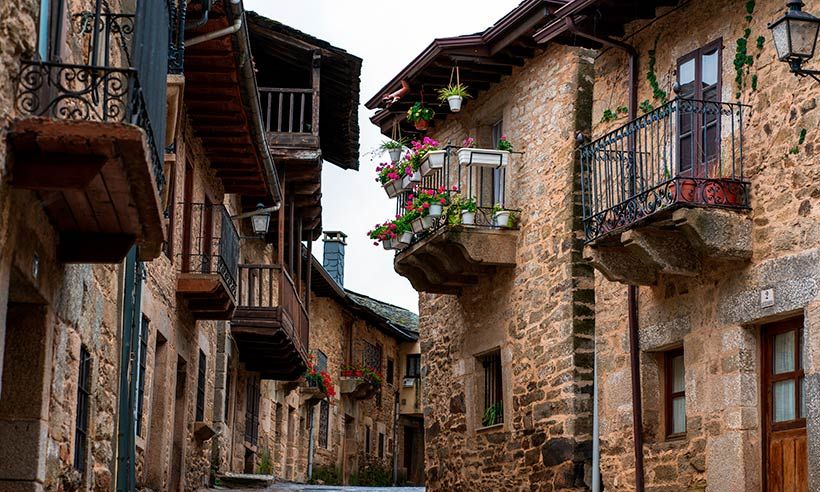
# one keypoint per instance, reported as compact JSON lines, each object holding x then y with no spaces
{"x":490,"y":428}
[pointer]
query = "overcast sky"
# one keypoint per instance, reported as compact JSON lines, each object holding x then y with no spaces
{"x":387,"y":35}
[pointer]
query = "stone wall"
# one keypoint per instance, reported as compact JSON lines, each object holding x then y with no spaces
{"x":538,"y":314}
{"x":716,"y":317}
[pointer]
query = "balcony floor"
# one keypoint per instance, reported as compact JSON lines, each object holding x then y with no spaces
{"x":96,"y":182}
{"x":267,"y":343}
{"x":207,"y":295}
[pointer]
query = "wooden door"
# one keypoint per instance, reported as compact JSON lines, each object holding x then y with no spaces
{"x":785,"y":456}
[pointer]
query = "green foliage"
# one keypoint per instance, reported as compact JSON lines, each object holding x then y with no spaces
{"x":493,"y":414}
{"x":743,"y":60}
{"x":326,"y":475}
{"x":373,"y":473}
{"x":760,"y":42}
{"x":453,"y":90}
{"x":754,"y":82}
{"x":794,"y":150}
{"x":750,"y":7}
{"x":419,"y":112}
{"x":393,"y":144}
{"x":646,"y":106}
{"x":610,"y":115}
{"x":265,"y":466}
{"x":802,"y":136}
{"x":652,"y":77}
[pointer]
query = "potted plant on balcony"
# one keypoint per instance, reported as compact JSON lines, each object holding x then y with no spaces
{"x":453,"y":95}
{"x":468,"y":208}
{"x":420,"y":116}
{"x":395,"y":177}
{"x":411,"y":175}
{"x":426,"y":156}
{"x":503,"y":217}
{"x":320,"y":380}
{"x":360,"y":382}
{"x":469,"y":155}
{"x":393,"y":148}
{"x":384,"y":234}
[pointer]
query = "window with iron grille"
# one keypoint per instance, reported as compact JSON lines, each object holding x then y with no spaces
{"x":493,"y":408}
{"x":200,"y":389}
{"x":252,"y":411}
{"x":389,"y":373}
{"x":143,"y":356}
{"x":83,"y":401}
{"x":324,"y":423}
{"x":413,"y":369}
{"x":367,"y":439}
{"x":381,"y":445}
{"x":372,"y":356}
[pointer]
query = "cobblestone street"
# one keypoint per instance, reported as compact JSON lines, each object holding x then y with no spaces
{"x":296,"y":487}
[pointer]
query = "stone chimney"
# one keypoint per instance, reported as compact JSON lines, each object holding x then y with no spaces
{"x":334,"y":257}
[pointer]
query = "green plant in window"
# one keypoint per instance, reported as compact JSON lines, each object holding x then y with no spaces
{"x":493,"y":414}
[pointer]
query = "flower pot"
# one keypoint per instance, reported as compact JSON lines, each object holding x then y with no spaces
{"x":483,"y":157}
{"x":432,"y":161}
{"x":403,"y":240}
{"x":455,"y":103}
{"x":422,"y":124}
{"x":393,"y":187}
{"x":409,"y":180}
{"x":684,"y":190}
{"x":467,"y":218}
{"x":422,"y":224}
{"x":435,"y":210}
{"x":387,"y":244}
{"x":502,"y":218}
{"x":395,"y":154}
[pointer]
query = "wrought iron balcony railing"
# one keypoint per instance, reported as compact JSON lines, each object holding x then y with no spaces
{"x":684,"y":153}
{"x":212,"y":246}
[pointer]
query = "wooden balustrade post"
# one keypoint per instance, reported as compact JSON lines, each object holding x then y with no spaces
{"x":316,"y":76}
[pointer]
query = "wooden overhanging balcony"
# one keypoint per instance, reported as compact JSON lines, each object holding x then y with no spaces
{"x":88,"y":138}
{"x":444,"y":258}
{"x":291,"y":118}
{"x":207,"y":278}
{"x":271,"y":324}
{"x":666,"y":193}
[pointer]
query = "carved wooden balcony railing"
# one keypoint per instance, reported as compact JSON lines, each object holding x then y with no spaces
{"x":291,"y":117}
{"x":662,"y":194}
{"x":271,"y":323}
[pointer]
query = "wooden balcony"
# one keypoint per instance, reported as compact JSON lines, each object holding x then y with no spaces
{"x":84,"y":143}
{"x":271,"y":324}
{"x":665,"y":194}
{"x":208,"y":263}
{"x":357,"y":389}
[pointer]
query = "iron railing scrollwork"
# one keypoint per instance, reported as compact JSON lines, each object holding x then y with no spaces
{"x":684,"y":153}
{"x":176,"y":36}
{"x":213,"y":244}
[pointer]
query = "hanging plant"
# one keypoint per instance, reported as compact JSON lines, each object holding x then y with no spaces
{"x":420,"y":116}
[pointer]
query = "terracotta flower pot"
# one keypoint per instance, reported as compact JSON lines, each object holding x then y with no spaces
{"x":422,"y":125}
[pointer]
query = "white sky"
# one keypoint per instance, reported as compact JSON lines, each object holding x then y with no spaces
{"x":387,"y":35}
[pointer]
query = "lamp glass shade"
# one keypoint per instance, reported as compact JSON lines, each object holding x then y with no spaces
{"x":795,"y":36}
{"x":260,"y":223}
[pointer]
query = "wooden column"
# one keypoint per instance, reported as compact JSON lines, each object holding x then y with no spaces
{"x":309,"y":262}
{"x":316,"y":79}
{"x":281,"y":229}
{"x":297,"y":245}
{"x":291,"y":220}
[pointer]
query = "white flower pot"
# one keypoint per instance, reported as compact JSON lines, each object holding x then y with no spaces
{"x":455,"y":103}
{"x":422,"y":224}
{"x":435,"y":210}
{"x":409,"y":181}
{"x":393,"y":187}
{"x":395,"y":154}
{"x":387,"y":244}
{"x":502,"y":218}
{"x":433,"y":161}
{"x":467,"y":218}
{"x":403,"y":240}
{"x":483,"y":157}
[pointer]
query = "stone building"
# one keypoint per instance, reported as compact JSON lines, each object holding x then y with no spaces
{"x":145,"y":229}
{"x":667,"y":230}
{"x":362,"y":425}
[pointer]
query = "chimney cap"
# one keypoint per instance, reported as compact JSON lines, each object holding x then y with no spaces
{"x":335,"y":237}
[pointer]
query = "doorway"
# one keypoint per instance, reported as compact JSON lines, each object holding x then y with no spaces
{"x":784,"y":407}
{"x":178,"y":446}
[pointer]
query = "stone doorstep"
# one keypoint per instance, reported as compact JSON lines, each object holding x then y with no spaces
{"x":245,"y":480}
{"x":694,"y":236}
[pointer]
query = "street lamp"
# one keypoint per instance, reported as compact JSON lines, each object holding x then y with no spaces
{"x":260,"y":220}
{"x":795,"y":38}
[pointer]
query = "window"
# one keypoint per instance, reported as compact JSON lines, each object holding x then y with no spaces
{"x":252,"y":411}
{"x":372,"y":356}
{"x":389,"y":376}
{"x":367,"y":439}
{"x":498,"y":174}
{"x":51,"y":29}
{"x":786,"y":381}
{"x":83,"y":400}
{"x":381,"y":445}
{"x":674,"y":393}
{"x":143,"y":355}
{"x":227,"y":391}
{"x":699,"y":122}
{"x":493,"y":404}
{"x":413,"y":368}
{"x":321,"y":361}
{"x":200,"y":389}
{"x":324,"y":423}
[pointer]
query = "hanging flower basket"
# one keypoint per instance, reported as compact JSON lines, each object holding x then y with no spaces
{"x":483,"y":157}
{"x":393,"y":187}
{"x":422,"y":125}
{"x":410,"y":180}
{"x":395,"y":154}
{"x":455,"y":103}
{"x":432,"y":162}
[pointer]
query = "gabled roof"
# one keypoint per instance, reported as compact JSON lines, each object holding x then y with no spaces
{"x":282,"y":51}
{"x":392,"y":320}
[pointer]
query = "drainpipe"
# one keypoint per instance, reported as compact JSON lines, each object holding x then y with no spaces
{"x":396,"y":410}
{"x":632,"y":291}
{"x":310,"y":444}
{"x":233,"y":28}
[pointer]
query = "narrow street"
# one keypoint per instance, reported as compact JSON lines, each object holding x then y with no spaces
{"x":296,"y":487}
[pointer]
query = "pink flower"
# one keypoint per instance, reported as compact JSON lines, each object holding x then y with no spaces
{"x":426,"y":205}
{"x":443,"y":201}
{"x":503,"y":137}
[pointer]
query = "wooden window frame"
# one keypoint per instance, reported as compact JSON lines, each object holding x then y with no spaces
{"x":143,"y":363}
{"x":252,"y":411}
{"x":769,"y":379}
{"x":492,"y":382}
{"x":669,"y":395}
{"x":83,"y":408}
{"x":416,"y":366}
{"x":381,"y":445}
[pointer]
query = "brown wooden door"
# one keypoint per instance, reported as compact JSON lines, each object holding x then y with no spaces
{"x":785,"y":456}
